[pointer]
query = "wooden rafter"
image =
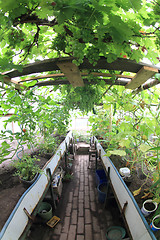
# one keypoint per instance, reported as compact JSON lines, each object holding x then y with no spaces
{"x":46,"y":65}
{"x":72,"y":73}
{"x":63,"y":82}
{"x":42,"y":77}
{"x":141,"y":77}
{"x":18,"y":86}
{"x":55,"y":75}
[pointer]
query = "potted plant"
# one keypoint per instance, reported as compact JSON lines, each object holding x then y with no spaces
{"x":67,"y":177}
{"x":49,"y":146}
{"x":148,"y":207}
{"x":155,"y":224}
{"x":27,"y":169}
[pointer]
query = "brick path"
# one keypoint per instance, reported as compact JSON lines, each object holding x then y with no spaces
{"x":84,"y":218}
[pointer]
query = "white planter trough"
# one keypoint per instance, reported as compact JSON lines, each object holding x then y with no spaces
{"x":18,"y":220}
{"x":137,"y":225}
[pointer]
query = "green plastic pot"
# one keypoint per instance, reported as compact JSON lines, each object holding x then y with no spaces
{"x":45,"y":211}
{"x":115,"y":233}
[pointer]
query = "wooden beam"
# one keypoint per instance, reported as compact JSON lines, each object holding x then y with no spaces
{"x":8,"y":80}
{"x":141,"y":77}
{"x":120,"y":64}
{"x":147,"y":86}
{"x":63,"y":82}
{"x":110,"y":75}
{"x":8,"y":115}
{"x":55,"y":75}
{"x":72,"y":73}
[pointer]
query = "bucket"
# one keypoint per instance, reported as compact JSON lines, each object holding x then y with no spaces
{"x":102,"y":190}
{"x":148,"y":207}
{"x":115,"y":233}
{"x":45,"y":211}
{"x":100,"y":176}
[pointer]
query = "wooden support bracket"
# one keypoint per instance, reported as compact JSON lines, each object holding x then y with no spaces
{"x":99,"y":155}
{"x":124,"y":207}
{"x":28,"y":215}
{"x":72,"y":73}
{"x":141,"y":77}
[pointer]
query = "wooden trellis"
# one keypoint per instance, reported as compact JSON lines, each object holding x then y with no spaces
{"x":66,"y":72}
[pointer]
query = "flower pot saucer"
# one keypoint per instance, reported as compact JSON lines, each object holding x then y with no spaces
{"x":115,"y":233}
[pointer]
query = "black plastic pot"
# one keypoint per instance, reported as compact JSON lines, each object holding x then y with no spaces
{"x":26,"y":183}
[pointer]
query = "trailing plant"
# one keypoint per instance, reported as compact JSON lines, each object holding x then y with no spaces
{"x":155,"y":161}
{"x":82,"y":98}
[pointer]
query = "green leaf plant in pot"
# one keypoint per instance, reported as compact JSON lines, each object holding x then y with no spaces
{"x":26,"y":169}
{"x":48,"y":147}
{"x":155,"y":188}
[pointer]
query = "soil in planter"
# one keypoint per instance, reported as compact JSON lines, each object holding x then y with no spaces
{"x":137,"y":178}
{"x":10,"y":187}
{"x":149,"y":206}
{"x":11,"y":190}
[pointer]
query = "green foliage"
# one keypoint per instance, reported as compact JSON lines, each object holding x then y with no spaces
{"x":82,"y":98}
{"x":38,"y":29}
{"x":26,"y":168}
{"x":68,"y":177}
{"x":49,"y":145}
{"x":81,"y":136}
{"x":4,"y":150}
{"x":33,"y":28}
{"x":36,"y":114}
{"x":133,"y":132}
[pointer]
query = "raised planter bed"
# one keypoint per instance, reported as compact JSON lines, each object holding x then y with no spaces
{"x":30,"y":200}
{"x":136,"y":223}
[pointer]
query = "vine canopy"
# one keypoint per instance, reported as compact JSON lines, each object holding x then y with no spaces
{"x":81,"y":30}
{"x":40,"y":29}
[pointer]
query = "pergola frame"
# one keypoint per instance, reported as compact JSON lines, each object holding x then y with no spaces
{"x":66,"y":72}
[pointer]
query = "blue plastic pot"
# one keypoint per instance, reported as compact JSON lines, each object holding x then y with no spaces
{"x":100,"y":176}
{"x":102,"y":189}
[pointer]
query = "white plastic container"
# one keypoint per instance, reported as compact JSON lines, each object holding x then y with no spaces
{"x":125,"y":172}
{"x":145,"y":211}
